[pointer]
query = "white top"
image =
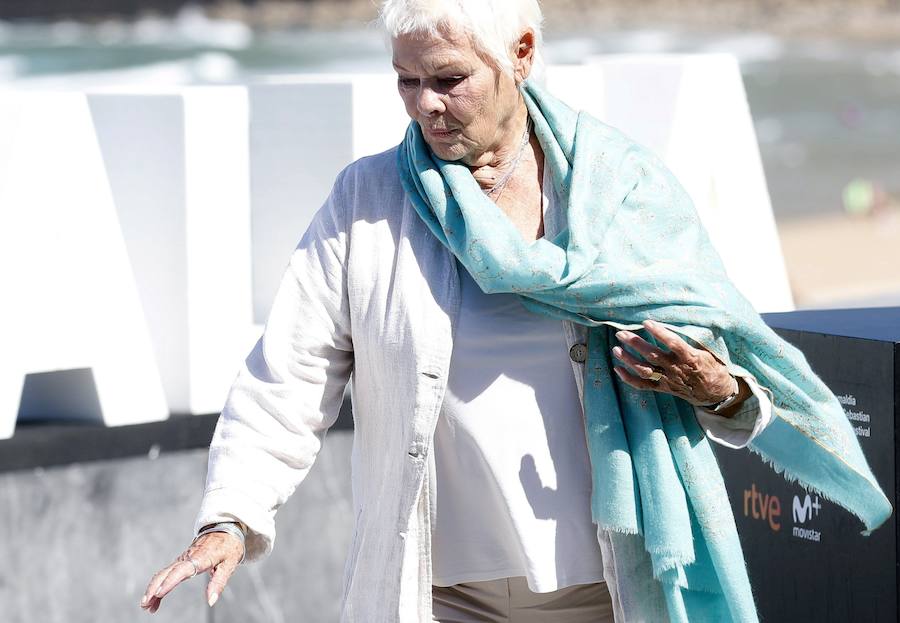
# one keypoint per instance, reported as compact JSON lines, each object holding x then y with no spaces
{"x":512,"y":467}
{"x":513,"y":474}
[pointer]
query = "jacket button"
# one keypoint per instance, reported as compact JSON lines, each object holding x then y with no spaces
{"x":414,"y":452}
{"x":578,"y":353}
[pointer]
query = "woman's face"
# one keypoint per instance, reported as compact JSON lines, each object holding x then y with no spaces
{"x":464,"y":105}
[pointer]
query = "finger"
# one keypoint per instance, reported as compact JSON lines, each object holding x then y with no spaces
{"x":154,"y":604}
{"x":220,"y":576}
{"x":663,"y":386}
{"x":180,"y":572}
{"x":147,"y":602}
{"x":639,"y":383}
{"x":642,"y":368}
{"x":151,"y":604}
{"x":650,"y":352}
{"x":154,"y":584}
{"x":674,"y":342}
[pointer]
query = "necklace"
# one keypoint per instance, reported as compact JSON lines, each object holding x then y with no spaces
{"x":499,"y":184}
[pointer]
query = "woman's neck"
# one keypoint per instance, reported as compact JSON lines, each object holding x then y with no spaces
{"x":493,"y":165}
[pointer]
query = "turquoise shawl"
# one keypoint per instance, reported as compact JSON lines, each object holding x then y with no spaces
{"x":634,"y":249}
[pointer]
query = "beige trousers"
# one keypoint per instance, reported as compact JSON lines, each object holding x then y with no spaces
{"x":509,"y":600}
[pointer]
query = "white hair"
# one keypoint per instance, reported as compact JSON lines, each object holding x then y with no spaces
{"x":494,"y":25}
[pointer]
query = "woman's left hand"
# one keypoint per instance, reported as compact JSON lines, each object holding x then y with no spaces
{"x":690,"y":373}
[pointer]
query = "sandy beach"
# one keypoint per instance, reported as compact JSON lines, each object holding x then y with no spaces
{"x":842,"y":260}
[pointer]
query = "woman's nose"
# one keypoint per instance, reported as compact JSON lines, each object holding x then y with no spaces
{"x":428,"y":102}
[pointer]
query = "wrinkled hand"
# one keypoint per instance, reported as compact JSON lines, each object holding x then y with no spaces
{"x":693,"y":374}
{"x":217,"y":552}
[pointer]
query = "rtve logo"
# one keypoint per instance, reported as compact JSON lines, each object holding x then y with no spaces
{"x":763,"y":507}
{"x":803,"y":512}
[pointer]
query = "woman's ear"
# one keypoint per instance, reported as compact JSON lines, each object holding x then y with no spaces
{"x":523,"y":56}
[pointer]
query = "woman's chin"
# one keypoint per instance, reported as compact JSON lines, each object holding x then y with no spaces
{"x":447,"y":150}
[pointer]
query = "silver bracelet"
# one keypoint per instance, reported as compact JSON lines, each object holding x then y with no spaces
{"x":231,"y":527}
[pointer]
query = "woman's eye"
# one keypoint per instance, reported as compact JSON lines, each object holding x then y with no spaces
{"x":451,"y":81}
{"x":443,"y":83}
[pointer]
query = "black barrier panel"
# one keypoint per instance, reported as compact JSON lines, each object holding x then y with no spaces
{"x":805,"y":555}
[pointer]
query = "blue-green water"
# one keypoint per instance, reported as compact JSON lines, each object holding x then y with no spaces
{"x":826,"y":111}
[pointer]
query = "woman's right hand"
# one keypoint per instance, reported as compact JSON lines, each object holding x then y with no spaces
{"x":219,"y":553}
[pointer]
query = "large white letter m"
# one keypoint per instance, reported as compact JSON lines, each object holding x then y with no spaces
{"x":802,"y":512}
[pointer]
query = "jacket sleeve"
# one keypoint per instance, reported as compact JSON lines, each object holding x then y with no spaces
{"x":288,"y":391}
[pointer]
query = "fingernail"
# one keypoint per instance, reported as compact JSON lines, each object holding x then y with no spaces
{"x":143,"y":601}
{"x":621,"y":335}
{"x":617,"y":351}
{"x":213,"y":599}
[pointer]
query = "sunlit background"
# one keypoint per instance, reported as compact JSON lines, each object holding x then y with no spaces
{"x":156,"y":278}
{"x":823,"y":82}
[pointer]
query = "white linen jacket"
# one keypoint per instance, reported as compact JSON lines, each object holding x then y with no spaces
{"x":368,"y":290}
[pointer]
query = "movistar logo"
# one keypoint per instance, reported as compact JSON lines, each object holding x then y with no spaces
{"x":805,"y":510}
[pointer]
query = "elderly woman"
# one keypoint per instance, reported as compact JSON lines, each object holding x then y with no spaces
{"x":542,"y":341}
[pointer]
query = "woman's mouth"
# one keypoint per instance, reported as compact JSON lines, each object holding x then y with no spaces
{"x":440,"y":133}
